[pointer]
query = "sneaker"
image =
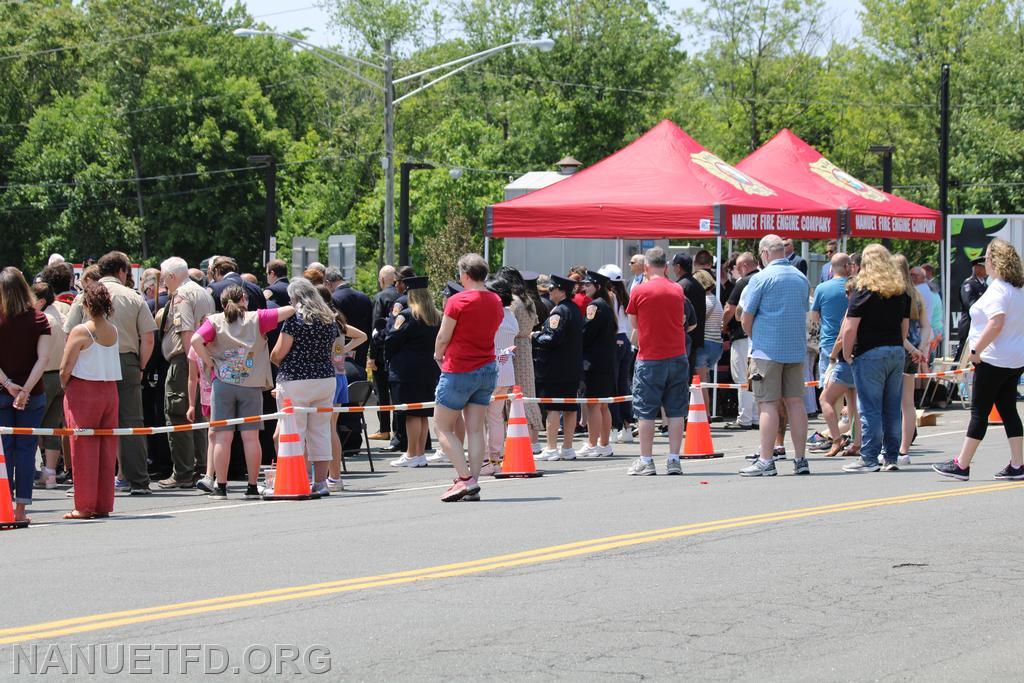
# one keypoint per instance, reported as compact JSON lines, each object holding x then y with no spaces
{"x":490,"y":468}
{"x":903,"y":460}
{"x":1011,"y":472}
{"x":436,"y":456}
{"x":641,"y":468}
{"x":471,"y":497}
{"x":550,"y":454}
{"x":755,"y":455}
{"x":406,"y":461}
{"x":861,"y":465}
{"x":141,"y":491}
{"x":70,"y":493}
{"x":605,"y":451}
{"x":47,"y":480}
{"x":172,"y":483}
{"x":625,"y":435}
{"x":800,"y":466}
{"x":816,"y":438}
{"x":205,"y":484}
{"x":536,"y":448}
{"x":457,"y":491}
{"x":472,"y":486}
{"x":335,"y":485}
{"x":568,"y":454}
{"x":890,"y":467}
{"x":953,"y":470}
{"x":122,"y":486}
{"x":820,"y":446}
{"x":251,"y":492}
{"x":218,"y":492}
{"x":589,"y":451}
{"x":673,"y":466}
{"x":760,"y":468}
{"x":779,"y":453}
{"x":317,"y":488}
{"x":735,"y":426}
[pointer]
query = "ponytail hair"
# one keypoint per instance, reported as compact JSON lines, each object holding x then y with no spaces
{"x":231,"y":302}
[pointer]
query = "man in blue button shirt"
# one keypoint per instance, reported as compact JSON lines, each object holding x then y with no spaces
{"x":774,"y":307}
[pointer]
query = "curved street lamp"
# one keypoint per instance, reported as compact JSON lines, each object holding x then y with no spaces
{"x":387,"y":86}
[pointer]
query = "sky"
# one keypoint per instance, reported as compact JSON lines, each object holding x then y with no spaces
{"x":304,"y":15}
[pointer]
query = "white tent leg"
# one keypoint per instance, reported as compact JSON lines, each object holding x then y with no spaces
{"x":718,"y":296}
{"x":487,"y":249}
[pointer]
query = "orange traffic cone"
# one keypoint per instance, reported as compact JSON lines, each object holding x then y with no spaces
{"x":6,"y":510}
{"x":291,"y":481}
{"x":994,"y":418}
{"x":518,"y":460}
{"x":698,"y":444}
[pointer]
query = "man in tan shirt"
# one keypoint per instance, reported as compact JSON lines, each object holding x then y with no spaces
{"x":188,"y":307}
{"x":135,"y":328}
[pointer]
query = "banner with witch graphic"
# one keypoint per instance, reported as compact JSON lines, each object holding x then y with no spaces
{"x":969,"y":237}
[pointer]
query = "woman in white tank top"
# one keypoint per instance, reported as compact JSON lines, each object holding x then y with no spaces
{"x":89,"y":371}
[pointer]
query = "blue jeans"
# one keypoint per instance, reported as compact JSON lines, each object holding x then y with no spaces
{"x":878,"y":376}
{"x":456,"y":389}
{"x":20,"y":451}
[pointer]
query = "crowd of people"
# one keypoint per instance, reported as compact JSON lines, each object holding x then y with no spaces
{"x":209,"y":343}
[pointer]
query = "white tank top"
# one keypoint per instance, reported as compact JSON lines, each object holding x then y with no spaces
{"x":98,"y":363}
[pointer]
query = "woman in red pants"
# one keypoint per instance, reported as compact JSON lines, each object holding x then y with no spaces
{"x":89,"y":372}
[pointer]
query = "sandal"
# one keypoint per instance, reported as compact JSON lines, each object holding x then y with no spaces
{"x":851,"y":452}
{"x":75,"y":514}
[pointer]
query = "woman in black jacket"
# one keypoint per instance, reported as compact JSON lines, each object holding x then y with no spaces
{"x":600,"y":363}
{"x":412,"y":372}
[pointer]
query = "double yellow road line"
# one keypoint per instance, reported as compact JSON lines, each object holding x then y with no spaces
{"x":109,"y":620}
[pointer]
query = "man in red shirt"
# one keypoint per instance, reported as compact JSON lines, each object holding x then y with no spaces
{"x":465,"y":352}
{"x":657,"y":314}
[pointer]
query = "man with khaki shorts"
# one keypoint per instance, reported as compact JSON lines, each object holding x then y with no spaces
{"x":774,"y":305}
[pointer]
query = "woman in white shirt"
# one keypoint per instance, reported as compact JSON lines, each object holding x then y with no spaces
{"x":90,"y":371}
{"x":996,"y":343}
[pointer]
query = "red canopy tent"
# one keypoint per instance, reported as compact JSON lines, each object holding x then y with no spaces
{"x":662,"y":185}
{"x":871,"y":213}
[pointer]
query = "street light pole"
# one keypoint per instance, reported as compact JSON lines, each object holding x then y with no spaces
{"x":886,"y":152}
{"x":270,"y":186}
{"x":403,"y":208}
{"x":389,"y":156}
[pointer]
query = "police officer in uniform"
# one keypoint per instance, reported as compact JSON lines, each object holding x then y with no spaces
{"x":412,"y":372}
{"x":970,"y":291}
{"x":558,"y":360}
{"x":600,"y":363}
{"x":277,"y":283}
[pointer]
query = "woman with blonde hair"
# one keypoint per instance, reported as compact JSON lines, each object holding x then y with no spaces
{"x":877,"y":322}
{"x":996,"y":343}
{"x":919,"y":338}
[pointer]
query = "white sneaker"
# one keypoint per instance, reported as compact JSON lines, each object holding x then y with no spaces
{"x":406,"y":461}
{"x":536,"y":447}
{"x":436,"y":456}
{"x":605,"y":451}
{"x":335,"y":485}
{"x":625,"y":435}
{"x":568,"y":454}
{"x":589,"y":451}
{"x":903,"y":460}
{"x":550,"y":454}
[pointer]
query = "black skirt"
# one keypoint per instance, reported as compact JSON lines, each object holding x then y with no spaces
{"x":413,"y":392}
{"x":599,"y":385}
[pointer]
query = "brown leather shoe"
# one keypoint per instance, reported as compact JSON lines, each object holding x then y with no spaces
{"x":172,"y":483}
{"x":380,"y":436}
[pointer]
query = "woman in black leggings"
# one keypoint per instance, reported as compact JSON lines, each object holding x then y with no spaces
{"x":996,"y":344}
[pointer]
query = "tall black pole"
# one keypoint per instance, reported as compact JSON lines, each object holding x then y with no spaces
{"x":270,"y":219}
{"x":404,"y":169}
{"x":885,"y":151}
{"x":944,"y":144}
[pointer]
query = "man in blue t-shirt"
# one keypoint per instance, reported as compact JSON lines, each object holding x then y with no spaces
{"x":829,"y":308}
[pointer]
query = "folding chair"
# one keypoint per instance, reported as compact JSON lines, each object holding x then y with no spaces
{"x":359,"y":394}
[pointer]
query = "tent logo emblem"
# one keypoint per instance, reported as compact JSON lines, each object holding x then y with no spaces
{"x":827,"y":170}
{"x":735,"y":177}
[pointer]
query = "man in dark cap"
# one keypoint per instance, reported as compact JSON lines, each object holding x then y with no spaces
{"x":970,"y":291}
{"x":682,"y":265}
{"x":558,"y":358}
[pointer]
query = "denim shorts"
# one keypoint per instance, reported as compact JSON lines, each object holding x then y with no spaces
{"x":661,"y":384}
{"x":843,"y":373}
{"x":707,"y":356}
{"x":456,"y":389}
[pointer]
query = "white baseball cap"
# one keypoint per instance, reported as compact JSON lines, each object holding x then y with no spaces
{"x":611,"y":271}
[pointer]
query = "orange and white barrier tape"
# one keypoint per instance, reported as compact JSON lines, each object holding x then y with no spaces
{"x":945,"y":373}
{"x":579,"y":401}
{"x":138,"y":431}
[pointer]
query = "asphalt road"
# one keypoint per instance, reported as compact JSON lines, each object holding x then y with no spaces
{"x":583,"y":573}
